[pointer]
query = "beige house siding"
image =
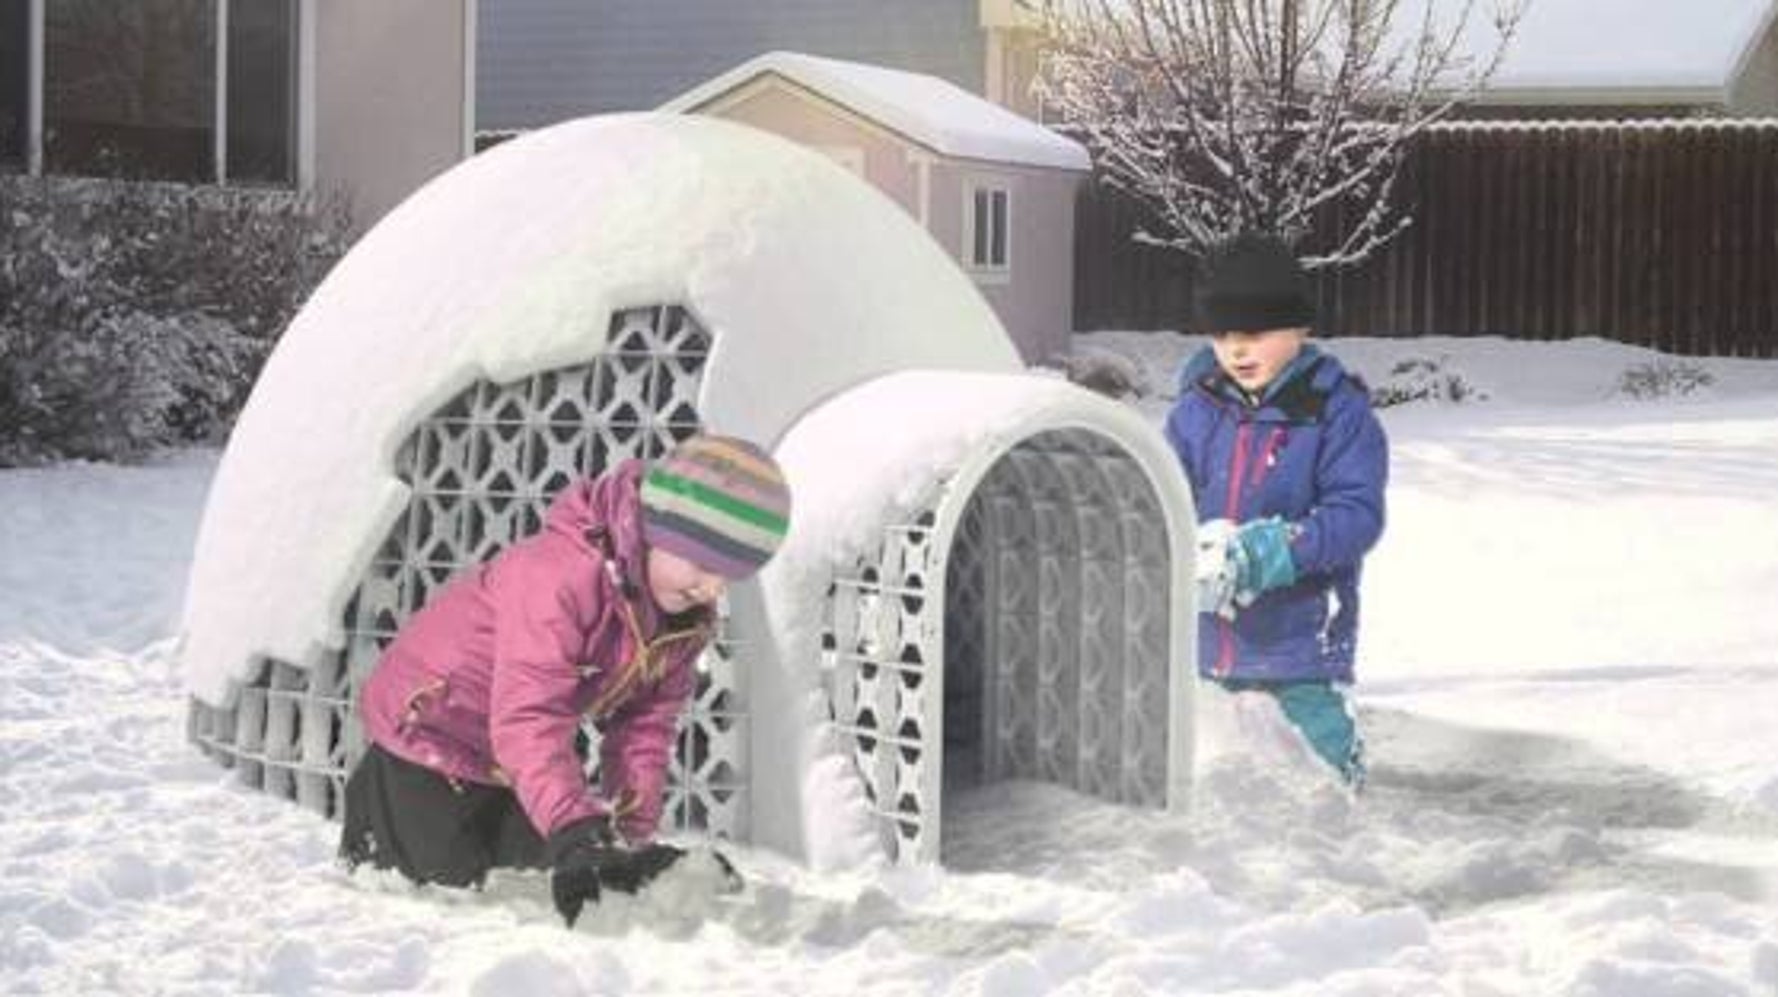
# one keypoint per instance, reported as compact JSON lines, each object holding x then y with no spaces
{"x":1012,"y":37}
{"x":391,"y":82}
{"x":1755,"y":93}
{"x":778,"y":106}
{"x":1034,"y":295}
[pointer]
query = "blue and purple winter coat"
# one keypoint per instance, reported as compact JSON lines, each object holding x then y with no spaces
{"x":1312,"y":452}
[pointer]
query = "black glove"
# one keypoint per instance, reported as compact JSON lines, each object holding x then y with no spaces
{"x":649,"y":861}
{"x":586,"y":858}
{"x":640,"y":866}
{"x":576,"y":853}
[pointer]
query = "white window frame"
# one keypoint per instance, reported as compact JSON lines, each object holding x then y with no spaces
{"x":302,"y":129}
{"x":989,"y":270}
{"x":34,"y":88}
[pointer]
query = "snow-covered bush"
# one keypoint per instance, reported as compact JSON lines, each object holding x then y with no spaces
{"x":118,"y":387}
{"x":1663,"y":378}
{"x":1105,"y":371}
{"x":133,"y":316}
{"x":1423,"y":379}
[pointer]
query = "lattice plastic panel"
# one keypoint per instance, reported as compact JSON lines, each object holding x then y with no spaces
{"x":1048,"y":660}
{"x":883,"y":643}
{"x":1077,"y":633}
{"x":482,"y":470}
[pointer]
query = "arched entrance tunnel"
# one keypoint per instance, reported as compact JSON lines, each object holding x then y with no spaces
{"x":1020,"y":628}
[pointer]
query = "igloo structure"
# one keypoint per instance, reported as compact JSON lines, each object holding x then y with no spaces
{"x":985,"y":573}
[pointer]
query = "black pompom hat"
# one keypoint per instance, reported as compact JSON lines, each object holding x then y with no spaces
{"x":1251,"y":283}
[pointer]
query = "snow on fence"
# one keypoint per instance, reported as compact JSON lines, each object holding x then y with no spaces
{"x":1655,"y":233}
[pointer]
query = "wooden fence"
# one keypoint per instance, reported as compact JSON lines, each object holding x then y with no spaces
{"x":1662,"y":234}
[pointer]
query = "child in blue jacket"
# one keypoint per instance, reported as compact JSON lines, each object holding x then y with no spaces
{"x":1287,"y":464}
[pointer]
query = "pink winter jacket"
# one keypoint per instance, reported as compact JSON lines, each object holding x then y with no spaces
{"x":489,"y":681}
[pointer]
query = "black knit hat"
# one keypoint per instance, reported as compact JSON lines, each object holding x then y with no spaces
{"x":1251,"y":283}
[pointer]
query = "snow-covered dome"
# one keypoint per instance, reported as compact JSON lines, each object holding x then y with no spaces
{"x":982,"y":575}
{"x":803,"y":279}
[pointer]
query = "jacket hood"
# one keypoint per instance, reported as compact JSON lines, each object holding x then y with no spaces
{"x":603,"y":515}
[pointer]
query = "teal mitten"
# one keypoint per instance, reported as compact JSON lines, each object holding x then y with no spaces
{"x":1265,"y":561}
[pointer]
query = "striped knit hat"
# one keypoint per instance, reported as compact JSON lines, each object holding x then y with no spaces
{"x":717,"y":501}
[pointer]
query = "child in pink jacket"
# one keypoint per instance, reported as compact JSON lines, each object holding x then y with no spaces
{"x":473,"y":711}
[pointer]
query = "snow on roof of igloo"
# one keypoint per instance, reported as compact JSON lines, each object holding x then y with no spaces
{"x":513,"y":262}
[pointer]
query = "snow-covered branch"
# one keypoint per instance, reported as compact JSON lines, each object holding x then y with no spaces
{"x":1225,"y":115}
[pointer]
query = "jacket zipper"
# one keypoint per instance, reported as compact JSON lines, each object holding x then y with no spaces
{"x":1268,"y":453}
{"x":641,"y":664}
{"x":643,"y":660}
{"x":1231,"y":507}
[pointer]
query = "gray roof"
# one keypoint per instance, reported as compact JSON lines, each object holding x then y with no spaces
{"x":542,"y":61}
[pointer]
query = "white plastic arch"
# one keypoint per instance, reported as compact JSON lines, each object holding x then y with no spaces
{"x":1028,"y":559}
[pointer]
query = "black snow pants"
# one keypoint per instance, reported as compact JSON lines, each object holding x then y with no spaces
{"x":403,"y":816}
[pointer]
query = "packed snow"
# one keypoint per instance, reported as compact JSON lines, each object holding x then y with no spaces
{"x":1566,"y":673}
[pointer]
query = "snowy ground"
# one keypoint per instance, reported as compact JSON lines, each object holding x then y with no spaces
{"x":1569,"y":674}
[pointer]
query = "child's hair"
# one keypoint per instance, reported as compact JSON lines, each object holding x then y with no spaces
{"x":719,"y":502}
{"x":1251,"y":283}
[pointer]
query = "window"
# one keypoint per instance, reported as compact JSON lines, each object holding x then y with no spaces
{"x":131,"y":89}
{"x":15,"y":81}
{"x":262,"y":91}
{"x":986,"y":232}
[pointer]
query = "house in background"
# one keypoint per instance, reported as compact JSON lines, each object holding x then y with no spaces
{"x":910,"y":94}
{"x":543,"y":61}
{"x":363,"y":100}
{"x":996,"y":190}
{"x":1637,"y":59}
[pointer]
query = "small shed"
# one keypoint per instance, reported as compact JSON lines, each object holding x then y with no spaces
{"x":996,"y":190}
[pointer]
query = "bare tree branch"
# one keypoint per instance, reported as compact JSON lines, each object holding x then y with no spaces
{"x":1225,"y":115}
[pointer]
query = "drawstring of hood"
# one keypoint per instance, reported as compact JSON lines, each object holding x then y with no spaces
{"x":649,"y":656}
